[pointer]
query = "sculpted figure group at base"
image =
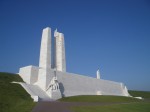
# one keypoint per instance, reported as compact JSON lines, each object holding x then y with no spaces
{"x":54,"y":85}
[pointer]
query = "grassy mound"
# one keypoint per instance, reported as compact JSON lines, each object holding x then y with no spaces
{"x":103,"y":99}
{"x":13,"y":98}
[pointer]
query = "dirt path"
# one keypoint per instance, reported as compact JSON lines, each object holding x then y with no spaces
{"x":63,"y":106}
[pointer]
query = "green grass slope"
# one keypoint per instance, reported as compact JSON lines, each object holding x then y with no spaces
{"x":100,"y":99}
{"x":132,"y":107}
{"x":13,"y":98}
{"x":143,"y":94}
{"x":124,"y":104}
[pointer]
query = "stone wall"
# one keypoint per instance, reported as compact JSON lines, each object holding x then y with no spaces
{"x":29,"y":74}
{"x":74,"y":84}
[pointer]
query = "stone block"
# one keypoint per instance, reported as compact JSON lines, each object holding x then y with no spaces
{"x":29,"y":74}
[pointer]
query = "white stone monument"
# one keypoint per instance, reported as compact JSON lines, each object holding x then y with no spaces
{"x":98,"y":74}
{"x":60,"y":60}
{"x":53,"y":89}
{"x":45,"y":59}
{"x":51,"y":83}
{"x":45,"y":52}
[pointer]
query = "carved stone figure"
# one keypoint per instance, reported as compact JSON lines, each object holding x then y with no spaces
{"x":54,"y":85}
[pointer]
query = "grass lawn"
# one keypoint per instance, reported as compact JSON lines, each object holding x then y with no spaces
{"x":13,"y":98}
{"x":133,"y":107}
{"x":143,"y":94}
{"x":102,"y":99}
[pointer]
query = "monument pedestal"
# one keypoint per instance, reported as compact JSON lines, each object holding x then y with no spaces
{"x":54,"y":94}
{"x":44,"y":77}
{"x":29,"y":74}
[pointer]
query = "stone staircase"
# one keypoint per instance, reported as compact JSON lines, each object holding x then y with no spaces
{"x":36,"y":92}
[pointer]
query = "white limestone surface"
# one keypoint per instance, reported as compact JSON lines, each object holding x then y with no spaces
{"x":33,"y":96}
{"x":44,"y":78}
{"x":38,"y":79}
{"x":29,"y":74}
{"x":98,"y":74}
{"x":37,"y":94}
{"x":56,"y":95}
{"x":60,"y":59}
{"x":45,"y":51}
{"x":74,"y":84}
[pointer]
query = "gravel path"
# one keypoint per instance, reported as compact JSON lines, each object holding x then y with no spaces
{"x":63,"y":106}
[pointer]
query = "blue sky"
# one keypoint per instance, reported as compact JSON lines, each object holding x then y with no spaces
{"x":113,"y":35}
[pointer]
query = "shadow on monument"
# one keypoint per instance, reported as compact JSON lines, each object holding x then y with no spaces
{"x":61,"y":87}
